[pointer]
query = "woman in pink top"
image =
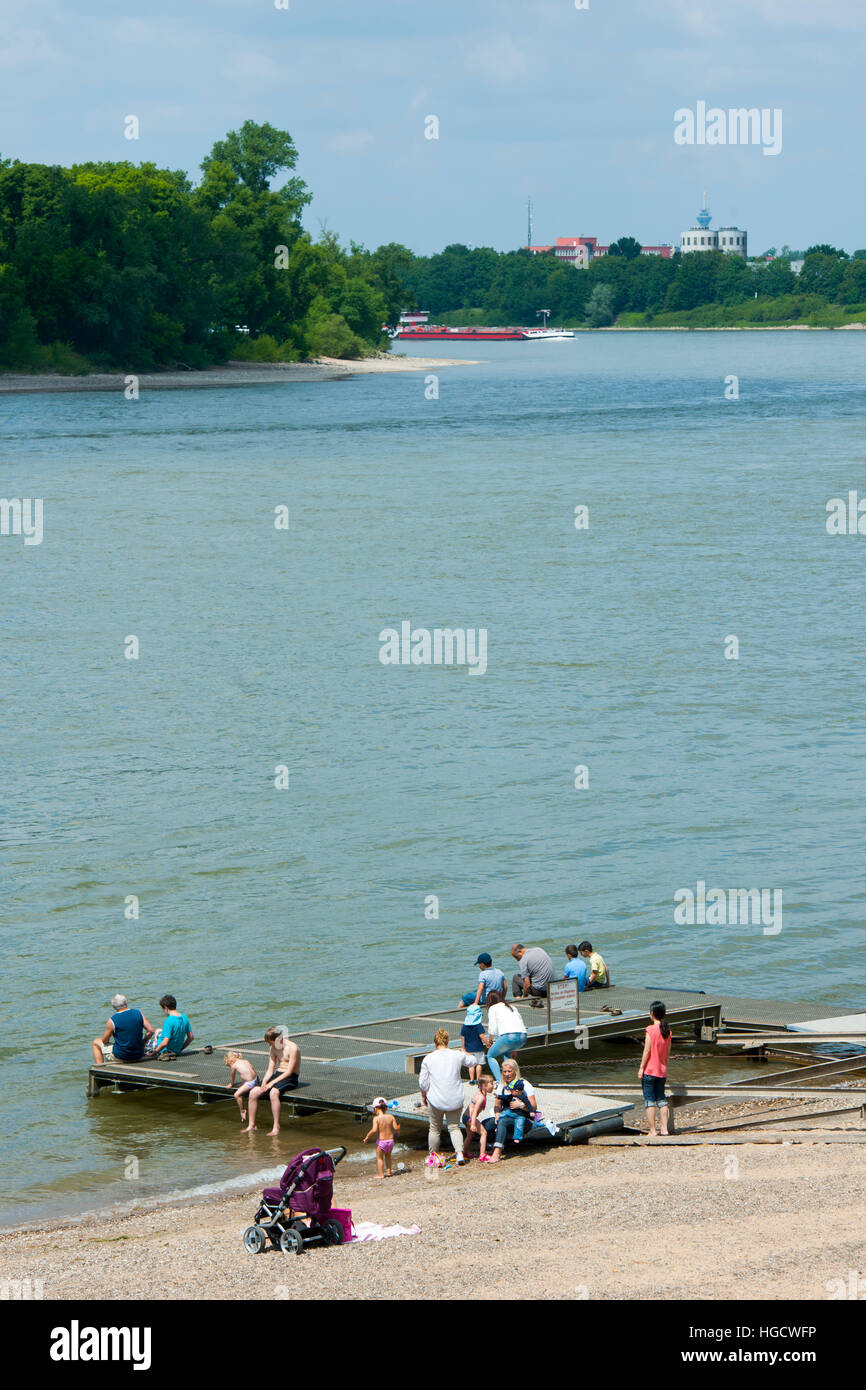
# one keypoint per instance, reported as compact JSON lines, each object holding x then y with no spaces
{"x":654,"y":1067}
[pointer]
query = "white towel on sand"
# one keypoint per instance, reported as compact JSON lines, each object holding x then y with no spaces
{"x":371,"y":1230}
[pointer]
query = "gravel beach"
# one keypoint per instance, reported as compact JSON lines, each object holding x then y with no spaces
{"x":565,"y":1223}
{"x":231,"y":374}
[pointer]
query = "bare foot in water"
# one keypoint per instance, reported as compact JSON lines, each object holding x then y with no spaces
{"x":248,"y":1129}
{"x":272,"y":1133}
{"x":243,"y":1116}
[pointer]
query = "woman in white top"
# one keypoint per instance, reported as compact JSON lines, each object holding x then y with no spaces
{"x":441,"y":1086}
{"x":506,"y":1031}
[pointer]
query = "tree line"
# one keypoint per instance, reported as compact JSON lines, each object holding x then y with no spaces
{"x":495,"y":287}
{"x":120,"y":265}
{"x":117,"y":264}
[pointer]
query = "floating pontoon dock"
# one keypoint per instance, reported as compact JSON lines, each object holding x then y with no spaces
{"x":344,"y":1067}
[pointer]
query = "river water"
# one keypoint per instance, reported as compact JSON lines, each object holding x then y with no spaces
{"x":258,"y":648}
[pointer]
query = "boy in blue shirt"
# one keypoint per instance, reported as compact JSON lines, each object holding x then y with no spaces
{"x":576,"y":968}
{"x":176,"y":1032}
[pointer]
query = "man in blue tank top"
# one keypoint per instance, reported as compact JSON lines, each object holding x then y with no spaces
{"x":124,"y":1036}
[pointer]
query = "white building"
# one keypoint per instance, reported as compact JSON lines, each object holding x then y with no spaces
{"x":732,"y":240}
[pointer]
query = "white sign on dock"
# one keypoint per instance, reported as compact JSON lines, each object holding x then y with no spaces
{"x":563,"y":994}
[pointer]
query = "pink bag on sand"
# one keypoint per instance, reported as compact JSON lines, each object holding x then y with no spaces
{"x":344,"y":1216}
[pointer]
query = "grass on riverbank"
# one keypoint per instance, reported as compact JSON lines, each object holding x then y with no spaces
{"x":808,"y":310}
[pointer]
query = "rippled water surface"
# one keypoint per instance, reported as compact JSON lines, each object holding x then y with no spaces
{"x":259,"y":647}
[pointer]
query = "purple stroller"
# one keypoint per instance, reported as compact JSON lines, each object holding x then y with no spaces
{"x":295,"y":1214}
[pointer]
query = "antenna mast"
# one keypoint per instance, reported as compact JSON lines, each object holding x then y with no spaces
{"x":529,"y":221}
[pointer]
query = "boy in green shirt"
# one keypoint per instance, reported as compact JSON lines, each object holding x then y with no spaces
{"x":599,"y":975}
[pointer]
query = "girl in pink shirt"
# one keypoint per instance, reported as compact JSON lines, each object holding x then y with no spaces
{"x":654,"y":1067}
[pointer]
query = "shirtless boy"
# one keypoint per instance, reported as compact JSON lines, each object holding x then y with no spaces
{"x":244,"y":1072}
{"x":281,"y":1075}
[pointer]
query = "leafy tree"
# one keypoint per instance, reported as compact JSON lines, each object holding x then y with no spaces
{"x":599,"y":309}
{"x":822,"y":272}
{"x":627,"y":246}
{"x":852,"y":288}
{"x":18,"y":343}
{"x":255,"y":153}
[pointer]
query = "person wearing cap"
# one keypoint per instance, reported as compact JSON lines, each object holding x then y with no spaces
{"x":125,"y":1034}
{"x":576,"y":968}
{"x":489,"y":977}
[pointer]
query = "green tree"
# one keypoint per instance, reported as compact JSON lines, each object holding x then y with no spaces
{"x":627,"y":246}
{"x":825,"y":250}
{"x":599,"y":309}
{"x":255,"y":153}
{"x":19,"y":346}
{"x":822,"y":272}
{"x":852,"y":287}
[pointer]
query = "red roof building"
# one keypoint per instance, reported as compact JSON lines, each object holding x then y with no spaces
{"x":580,"y":251}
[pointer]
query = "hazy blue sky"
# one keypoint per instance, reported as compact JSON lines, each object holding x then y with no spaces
{"x":534,"y":97}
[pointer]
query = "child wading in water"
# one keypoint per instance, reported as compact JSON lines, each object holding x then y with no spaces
{"x":245,"y":1072}
{"x":482,"y":1105}
{"x":384,"y":1128}
{"x":654,"y":1068}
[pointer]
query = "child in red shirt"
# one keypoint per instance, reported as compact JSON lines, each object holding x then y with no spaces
{"x":654,"y":1067}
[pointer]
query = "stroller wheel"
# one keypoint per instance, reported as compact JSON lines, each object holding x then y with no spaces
{"x":255,"y":1240}
{"x":333,"y":1233}
{"x":291,"y":1241}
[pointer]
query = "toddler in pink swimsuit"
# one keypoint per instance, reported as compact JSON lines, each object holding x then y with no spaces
{"x":384,"y":1128}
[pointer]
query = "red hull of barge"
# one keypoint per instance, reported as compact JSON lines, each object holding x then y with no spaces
{"x":457,"y":334}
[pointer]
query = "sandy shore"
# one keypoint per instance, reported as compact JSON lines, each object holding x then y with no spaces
{"x":231,"y":374}
{"x":583,"y":1222}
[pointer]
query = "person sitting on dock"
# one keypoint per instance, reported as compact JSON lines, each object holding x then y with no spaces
{"x":576,"y":968}
{"x":281,"y":1076}
{"x":242,"y":1070}
{"x":506,"y":1031}
{"x":510,"y":1104}
{"x":535,"y":973}
{"x":489,"y":977}
{"x":176,"y":1032}
{"x":124,"y":1036}
{"x":599,"y":975}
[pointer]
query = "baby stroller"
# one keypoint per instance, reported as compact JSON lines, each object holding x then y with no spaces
{"x":295,"y":1214}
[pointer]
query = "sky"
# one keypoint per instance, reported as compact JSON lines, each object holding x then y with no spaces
{"x":573,"y":108}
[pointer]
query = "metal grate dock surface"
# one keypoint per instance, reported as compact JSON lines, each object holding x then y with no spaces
{"x":343,"y":1067}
